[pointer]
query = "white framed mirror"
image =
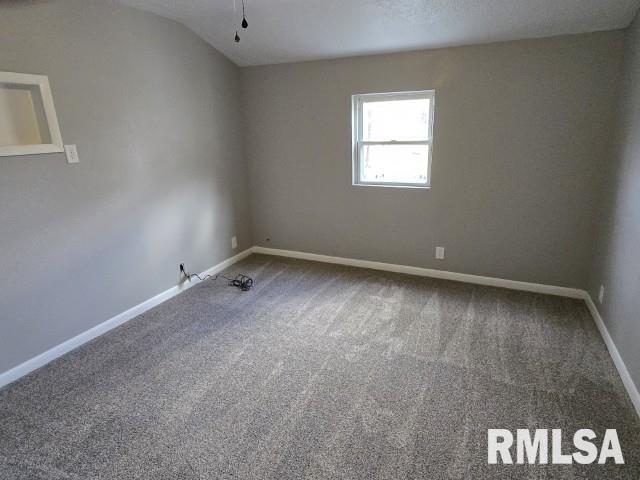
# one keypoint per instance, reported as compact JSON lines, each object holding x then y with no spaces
{"x":28,"y":121}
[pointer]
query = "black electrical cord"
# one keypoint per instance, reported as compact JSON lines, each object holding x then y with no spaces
{"x":243,"y":282}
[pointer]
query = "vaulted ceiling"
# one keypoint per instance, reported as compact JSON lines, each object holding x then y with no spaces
{"x":295,"y":30}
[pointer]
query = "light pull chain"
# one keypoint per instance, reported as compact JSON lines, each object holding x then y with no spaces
{"x":244,"y":23}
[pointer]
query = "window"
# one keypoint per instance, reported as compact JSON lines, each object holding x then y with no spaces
{"x":393,"y":139}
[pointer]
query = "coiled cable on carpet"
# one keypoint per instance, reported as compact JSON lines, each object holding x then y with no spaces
{"x":243,"y":282}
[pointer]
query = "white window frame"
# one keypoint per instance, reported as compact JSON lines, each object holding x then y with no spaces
{"x":358,"y":143}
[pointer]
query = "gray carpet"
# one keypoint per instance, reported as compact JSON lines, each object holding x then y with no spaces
{"x":324,"y":372}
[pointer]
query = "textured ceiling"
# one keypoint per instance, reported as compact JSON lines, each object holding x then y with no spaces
{"x":294,"y":30}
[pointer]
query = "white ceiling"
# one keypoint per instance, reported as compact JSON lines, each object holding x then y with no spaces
{"x":295,"y":30}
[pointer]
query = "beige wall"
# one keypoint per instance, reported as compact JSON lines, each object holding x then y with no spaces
{"x":521,"y":135}
{"x":617,"y":257}
{"x":155,"y":113}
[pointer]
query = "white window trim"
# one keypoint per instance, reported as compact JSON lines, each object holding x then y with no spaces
{"x":358,"y":143}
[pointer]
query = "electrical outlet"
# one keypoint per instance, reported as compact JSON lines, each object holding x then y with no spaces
{"x":601,"y":294}
{"x":234,"y":242}
{"x":439,"y":253}
{"x":72,"y":154}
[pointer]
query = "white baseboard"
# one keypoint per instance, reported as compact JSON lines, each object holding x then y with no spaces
{"x":631,"y":387}
{"x":428,"y":272}
{"x":57,"y":351}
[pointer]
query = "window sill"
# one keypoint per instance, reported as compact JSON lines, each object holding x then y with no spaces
{"x":385,"y":185}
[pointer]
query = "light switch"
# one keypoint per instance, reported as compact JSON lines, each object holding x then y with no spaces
{"x":72,"y":154}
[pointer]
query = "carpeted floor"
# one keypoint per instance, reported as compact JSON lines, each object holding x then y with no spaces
{"x":321,"y":371}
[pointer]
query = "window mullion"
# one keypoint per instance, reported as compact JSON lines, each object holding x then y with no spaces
{"x":395,"y":142}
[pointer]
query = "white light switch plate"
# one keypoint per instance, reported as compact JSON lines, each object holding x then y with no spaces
{"x":601,"y":294}
{"x":439,"y":253}
{"x":234,"y":242}
{"x":72,"y":153}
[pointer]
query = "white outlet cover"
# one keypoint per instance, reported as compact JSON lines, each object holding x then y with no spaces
{"x":72,"y":153}
{"x":234,"y":242}
{"x":601,"y":294}
{"x":439,"y":253}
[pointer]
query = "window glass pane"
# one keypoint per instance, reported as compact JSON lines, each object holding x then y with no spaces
{"x":395,"y":120}
{"x":394,"y":163}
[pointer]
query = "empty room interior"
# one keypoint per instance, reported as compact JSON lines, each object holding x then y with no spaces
{"x":323,"y":239}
